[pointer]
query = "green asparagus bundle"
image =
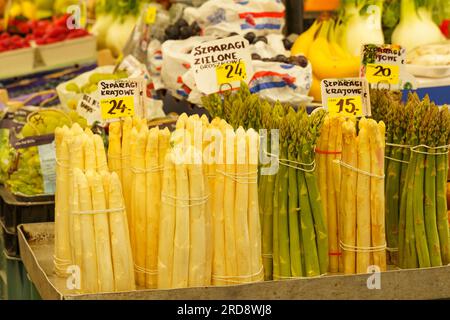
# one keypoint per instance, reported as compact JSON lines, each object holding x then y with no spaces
{"x":423,"y":239}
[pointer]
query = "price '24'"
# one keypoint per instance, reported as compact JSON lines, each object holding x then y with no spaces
{"x":117,"y":105}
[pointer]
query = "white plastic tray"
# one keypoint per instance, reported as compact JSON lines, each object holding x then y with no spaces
{"x":16,"y":62}
{"x":69,"y":51}
{"x":428,"y":71}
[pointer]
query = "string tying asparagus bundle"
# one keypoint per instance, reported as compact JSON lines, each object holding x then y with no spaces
{"x":98,"y":230}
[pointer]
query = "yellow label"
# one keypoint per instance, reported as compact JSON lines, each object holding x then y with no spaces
{"x":150,"y":17}
{"x":348,"y":106}
{"x":231,"y":72}
{"x":113,"y":108}
{"x":382,"y":73}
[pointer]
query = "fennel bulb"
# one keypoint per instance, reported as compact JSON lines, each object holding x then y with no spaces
{"x":119,"y":32}
{"x":416,"y":27}
{"x":100,"y":29}
{"x":361,"y":24}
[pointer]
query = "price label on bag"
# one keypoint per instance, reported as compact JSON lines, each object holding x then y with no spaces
{"x":346,"y":97}
{"x":113,"y":108}
{"x":221,"y":64}
{"x":122,"y":98}
{"x":231,"y":72}
{"x":383,"y":65}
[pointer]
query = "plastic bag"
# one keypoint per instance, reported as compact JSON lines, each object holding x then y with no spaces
{"x":69,"y":99}
{"x":282,"y":82}
{"x":222,"y":17}
{"x":176,"y":62}
{"x":33,"y":170}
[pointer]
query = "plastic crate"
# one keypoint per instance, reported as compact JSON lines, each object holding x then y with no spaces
{"x":3,"y":286}
{"x":17,"y":279}
{"x":15,"y":211}
{"x":15,"y":62}
{"x":10,"y":243}
{"x":69,"y":51}
{"x":2,"y":247}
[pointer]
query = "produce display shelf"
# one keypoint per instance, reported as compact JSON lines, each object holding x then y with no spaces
{"x":37,"y":244}
{"x":16,"y":210}
{"x":47,"y":68}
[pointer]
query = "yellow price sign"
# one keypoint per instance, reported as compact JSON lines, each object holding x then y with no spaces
{"x":231,"y":72}
{"x":150,"y":16}
{"x":348,"y":106}
{"x":120,"y":107}
{"x":382,"y":73}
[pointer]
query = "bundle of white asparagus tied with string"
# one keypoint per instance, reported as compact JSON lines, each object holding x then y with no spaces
{"x":351,"y":181}
{"x":91,"y":228}
{"x":194,"y":205}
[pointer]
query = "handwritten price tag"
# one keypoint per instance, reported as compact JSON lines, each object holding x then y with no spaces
{"x":114,"y":108}
{"x":231,"y":72}
{"x":349,"y":106}
{"x":377,"y":73}
{"x":150,"y":16}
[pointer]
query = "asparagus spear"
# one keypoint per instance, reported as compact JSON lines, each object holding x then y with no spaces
{"x":363,"y":198}
{"x":376,"y":139}
{"x":294,"y":223}
{"x":422,"y":125}
{"x":283,"y":223}
{"x":331,"y":196}
{"x":348,"y":196}
{"x":315,"y":123}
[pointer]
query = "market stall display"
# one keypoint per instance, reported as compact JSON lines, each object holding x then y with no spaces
{"x":250,"y":182}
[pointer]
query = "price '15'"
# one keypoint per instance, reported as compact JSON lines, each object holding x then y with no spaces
{"x":351,"y":106}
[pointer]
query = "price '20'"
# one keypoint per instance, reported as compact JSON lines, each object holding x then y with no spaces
{"x":382,"y":71}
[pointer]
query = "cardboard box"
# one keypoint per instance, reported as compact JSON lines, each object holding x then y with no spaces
{"x":36,"y":245}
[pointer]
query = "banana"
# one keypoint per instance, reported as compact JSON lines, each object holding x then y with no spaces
{"x":335,"y":48}
{"x":304,"y":41}
{"x":325,"y":63}
{"x":315,"y":90}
